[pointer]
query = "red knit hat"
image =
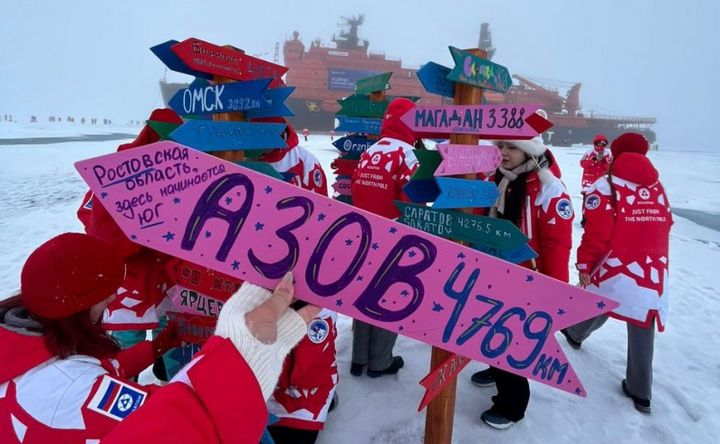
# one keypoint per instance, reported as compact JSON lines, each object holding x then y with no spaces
{"x":392,"y":126}
{"x":68,"y":274}
{"x":629,"y":143}
{"x":599,"y":138}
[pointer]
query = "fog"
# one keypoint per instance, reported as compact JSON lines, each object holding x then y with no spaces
{"x":642,"y":58}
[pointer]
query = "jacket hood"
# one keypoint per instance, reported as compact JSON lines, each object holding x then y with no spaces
{"x":635,"y":168}
{"x":392,"y":126}
{"x":148,"y":135}
{"x":21,"y":344}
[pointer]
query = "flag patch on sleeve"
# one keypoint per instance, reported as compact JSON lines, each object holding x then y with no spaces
{"x":116,"y":399}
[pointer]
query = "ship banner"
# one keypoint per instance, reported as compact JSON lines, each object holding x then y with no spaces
{"x":345,"y":79}
{"x":216,"y":214}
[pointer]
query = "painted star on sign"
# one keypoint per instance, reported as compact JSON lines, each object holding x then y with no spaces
{"x":176,"y":200}
{"x":268,"y":189}
{"x":235,"y":265}
{"x":169,"y":236}
{"x":259,"y":226}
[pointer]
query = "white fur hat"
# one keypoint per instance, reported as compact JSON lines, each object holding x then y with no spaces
{"x":534,"y":147}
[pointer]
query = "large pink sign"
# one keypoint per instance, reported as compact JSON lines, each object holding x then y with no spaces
{"x":217,"y":214}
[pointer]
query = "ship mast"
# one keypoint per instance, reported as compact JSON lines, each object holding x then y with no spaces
{"x":485,"y":40}
{"x":348,"y":38}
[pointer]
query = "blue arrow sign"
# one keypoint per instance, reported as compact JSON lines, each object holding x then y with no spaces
{"x":173,"y":62}
{"x":421,"y":191}
{"x":274,"y":104}
{"x":201,"y":97}
{"x":220,"y":136}
{"x":465,"y":193}
{"x":351,"y":144}
{"x":358,"y":125}
{"x":433,"y":77}
{"x":516,"y":256}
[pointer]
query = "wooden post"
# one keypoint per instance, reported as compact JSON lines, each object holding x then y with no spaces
{"x":230,"y":156}
{"x":377,"y":96}
{"x":441,"y":411}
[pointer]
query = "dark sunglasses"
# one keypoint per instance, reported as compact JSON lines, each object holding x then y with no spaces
{"x":601,"y":143}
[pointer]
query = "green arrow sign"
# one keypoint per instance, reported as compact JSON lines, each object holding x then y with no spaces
{"x":373,"y":84}
{"x":483,"y":230}
{"x":476,"y":71}
{"x":429,"y":161}
{"x":361,"y":106}
{"x":163,"y":129}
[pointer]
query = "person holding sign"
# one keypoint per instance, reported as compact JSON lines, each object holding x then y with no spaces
{"x":384,"y":168}
{"x":63,"y":378}
{"x":624,"y":255}
{"x":536,"y":201}
{"x":306,"y":388}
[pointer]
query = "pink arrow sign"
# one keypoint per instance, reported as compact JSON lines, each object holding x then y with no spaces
{"x":342,"y":187}
{"x":227,"y":62}
{"x":219,"y":215}
{"x":467,"y":159}
{"x":508,"y":121}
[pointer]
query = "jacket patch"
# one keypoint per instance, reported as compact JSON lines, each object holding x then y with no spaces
{"x":318,"y":330}
{"x":116,"y":399}
{"x":592,"y":202}
{"x":564,"y":209}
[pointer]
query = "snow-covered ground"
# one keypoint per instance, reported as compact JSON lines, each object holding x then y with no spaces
{"x":40,"y":192}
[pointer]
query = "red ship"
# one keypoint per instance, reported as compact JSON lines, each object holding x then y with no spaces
{"x":322,"y":75}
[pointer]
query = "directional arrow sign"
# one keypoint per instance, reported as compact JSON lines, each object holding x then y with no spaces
{"x":434,"y":79}
{"x":201,"y":97}
{"x":467,"y":159}
{"x":274,"y":106}
{"x":465,"y":193}
{"x":517,"y":256}
{"x":209,"y":136}
{"x":342,"y":186}
{"x":172,"y":61}
{"x":510,"y":121}
{"x":362,"y":106}
{"x":226,"y":62}
{"x":428,"y":161}
{"x":358,"y":125}
{"x":421,"y":191}
{"x":476,"y":71}
{"x":352,"y":144}
{"x":373,"y":84}
{"x":163,"y":129}
{"x":249,"y":226}
{"x":441,"y":376}
{"x":488,"y":232}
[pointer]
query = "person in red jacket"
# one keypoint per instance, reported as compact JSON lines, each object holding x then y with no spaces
{"x":595,"y":163}
{"x":382,"y":171}
{"x":63,"y":378}
{"x":624,"y":256}
{"x":532,"y":197}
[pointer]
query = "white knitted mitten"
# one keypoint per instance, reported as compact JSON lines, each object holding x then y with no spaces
{"x":265,"y":360}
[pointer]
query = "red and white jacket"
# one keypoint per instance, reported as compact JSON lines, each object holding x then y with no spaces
{"x":80,"y":399}
{"x":298,"y":161}
{"x":594,"y":168}
{"x":381,"y":174}
{"x":625,"y":244}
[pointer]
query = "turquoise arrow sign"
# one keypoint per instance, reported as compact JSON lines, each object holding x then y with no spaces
{"x":465,"y":193}
{"x":208,"y":135}
{"x":476,"y":71}
{"x":496,"y":235}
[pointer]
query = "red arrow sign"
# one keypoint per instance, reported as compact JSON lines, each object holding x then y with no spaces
{"x":441,"y":376}
{"x":227,"y":62}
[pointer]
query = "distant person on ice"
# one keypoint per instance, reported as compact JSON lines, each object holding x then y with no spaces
{"x":532,"y":197}
{"x":624,"y":256}
{"x":377,"y":182}
{"x":595,"y":164}
{"x":305,"y":133}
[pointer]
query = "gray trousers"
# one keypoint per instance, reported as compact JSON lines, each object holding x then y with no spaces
{"x":641,"y":344}
{"x":372,"y":346}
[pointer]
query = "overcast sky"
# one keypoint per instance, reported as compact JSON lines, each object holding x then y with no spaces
{"x":656,"y":58}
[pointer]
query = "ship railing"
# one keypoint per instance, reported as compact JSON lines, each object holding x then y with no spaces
{"x":625,"y":119}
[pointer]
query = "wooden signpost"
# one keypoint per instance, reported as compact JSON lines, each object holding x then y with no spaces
{"x":433,"y":78}
{"x":229,"y":135}
{"x":352,"y":144}
{"x":428,"y":161}
{"x":467,"y":159}
{"x":465,"y":193}
{"x":361,"y":106}
{"x":200,"y":97}
{"x":358,"y":125}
